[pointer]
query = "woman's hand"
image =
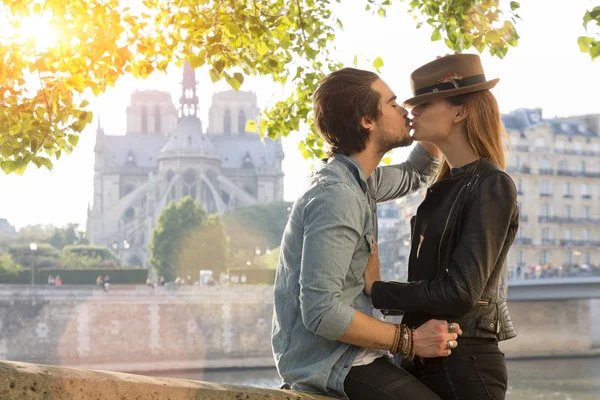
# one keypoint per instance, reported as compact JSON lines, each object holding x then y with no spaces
{"x":372,"y":270}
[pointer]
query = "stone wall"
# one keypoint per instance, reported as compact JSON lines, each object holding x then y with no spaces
{"x":138,"y":329}
{"x":33,"y":382}
{"x":141,"y":329}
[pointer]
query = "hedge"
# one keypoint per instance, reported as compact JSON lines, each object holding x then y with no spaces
{"x":253,"y":276}
{"x":78,"y":276}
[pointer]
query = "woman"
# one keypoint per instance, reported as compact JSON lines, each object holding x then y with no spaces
{"x":461,"y":233}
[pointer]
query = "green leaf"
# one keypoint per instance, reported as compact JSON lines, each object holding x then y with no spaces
{"x":387,"y":160}
{"x":233,"y":28}
{"x":215,"y":76}
{"x":355,"y":61}
{"x":73,"y":140}
{"x":251,"y":126}
{"x":595,"y":50}
{"x":339,"y":24}
{"x":84,"y":104}
{"x":585,"y":43}
{"x":514,"y":5}
{"x":436,"y":35}
{"x":196,"y":61}
{"x":378,"y":63}
{"x":381,"y":12}
{"x":43,"y":161}
{"x":219,"y":65}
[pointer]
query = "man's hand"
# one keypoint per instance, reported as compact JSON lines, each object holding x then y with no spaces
{"x":372,"y":271}
{"x":434,"y":339}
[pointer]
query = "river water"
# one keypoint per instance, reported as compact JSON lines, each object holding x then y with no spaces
{"x":555,"y":379}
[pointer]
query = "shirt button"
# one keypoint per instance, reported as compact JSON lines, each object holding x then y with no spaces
{"x":346,"y":366}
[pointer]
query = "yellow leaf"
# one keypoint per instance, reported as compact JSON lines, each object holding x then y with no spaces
{"x":251,"y":126}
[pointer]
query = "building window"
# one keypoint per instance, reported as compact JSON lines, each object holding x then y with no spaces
{"x":567,"y":234}
{"x":144,"y":119}
{"x":588,"y":257}
{"x":567,"y":189}
{"x":546,"y":210}
{"x":520,"y":186}
{"x":563,"y":165}
{"x":520,"y":257}
{"x":227,"y":122}
{"x":585,"y":191}
{"x":545,"y":164}
{"x":582,"y":166}
{"x":546,"y":234}
{"x":560,"y":145}
{"x":568,"y":210}
{"x":242,"y":122}
{"x":543,"y":257}
{"x":546,"y":187}
{"x":586,"y":212}
{"x":568,"y":257}
{"x":129,"y":214}
{"x":578,"y":147}
{"x":157,"y":128}
{"x":587,"y":235}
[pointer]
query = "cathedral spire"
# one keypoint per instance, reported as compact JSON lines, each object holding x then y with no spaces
{"x":188,"y":102}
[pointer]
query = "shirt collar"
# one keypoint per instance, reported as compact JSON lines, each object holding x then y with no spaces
{"x":354,"y":168}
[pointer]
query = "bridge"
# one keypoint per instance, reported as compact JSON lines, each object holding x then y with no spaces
{"x":554,"y":289}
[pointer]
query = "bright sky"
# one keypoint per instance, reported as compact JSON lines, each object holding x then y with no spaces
{"x":546,"y":70}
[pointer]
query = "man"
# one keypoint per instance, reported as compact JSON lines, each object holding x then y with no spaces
{"x":324,"y":338}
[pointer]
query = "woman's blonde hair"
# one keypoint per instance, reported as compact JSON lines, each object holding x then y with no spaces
{"x":484,"y":128}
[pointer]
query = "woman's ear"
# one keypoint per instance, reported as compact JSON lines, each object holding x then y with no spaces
{"x":460,"y":114}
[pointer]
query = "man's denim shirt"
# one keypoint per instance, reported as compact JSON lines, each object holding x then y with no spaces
{"x":324,"y":251}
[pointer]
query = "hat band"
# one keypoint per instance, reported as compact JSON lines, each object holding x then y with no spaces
{"x":453,"y":84}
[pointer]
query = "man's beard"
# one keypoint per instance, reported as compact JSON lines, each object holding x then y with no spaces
{"x":389,"y":143}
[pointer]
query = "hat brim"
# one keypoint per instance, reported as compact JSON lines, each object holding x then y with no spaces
{"x":415,"y":101}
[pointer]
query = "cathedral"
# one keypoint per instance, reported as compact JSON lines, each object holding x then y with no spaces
{"x":166,"y":155}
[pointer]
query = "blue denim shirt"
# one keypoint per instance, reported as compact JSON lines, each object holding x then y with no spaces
{"x":324,"y":251}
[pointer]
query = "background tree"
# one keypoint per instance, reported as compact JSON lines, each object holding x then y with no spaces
{"x":43,"y":83}
{"x":69,"y":235}
{"x":205,"y":248}
{"x":254,"y":227}
{"x":187,"y":240}
{"x":8,"y":265}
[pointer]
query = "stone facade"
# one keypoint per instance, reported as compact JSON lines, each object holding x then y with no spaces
{"x":556,"y":166}
{"x":165,"y":155}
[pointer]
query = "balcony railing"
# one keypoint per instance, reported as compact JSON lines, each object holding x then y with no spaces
{"x":546,"y":171}
{"x":549,"y":242}
{"x":523,"y":218}
{"x":569,"y":220}
{"x":545,"y":194}
{"x":521,"y":147}
{"x":523,"y":241}
{"x":582,"y":243}
{"x":519,"y":170}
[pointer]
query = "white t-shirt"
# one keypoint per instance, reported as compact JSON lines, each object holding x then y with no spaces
{"x":367,"y":356}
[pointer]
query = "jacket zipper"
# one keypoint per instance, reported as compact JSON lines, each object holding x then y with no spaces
{"x":448,"y":219}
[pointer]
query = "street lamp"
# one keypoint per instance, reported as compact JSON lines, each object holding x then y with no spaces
{"x":33,"y":247}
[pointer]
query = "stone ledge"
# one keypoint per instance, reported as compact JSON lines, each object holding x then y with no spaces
{"x":33,"y":381}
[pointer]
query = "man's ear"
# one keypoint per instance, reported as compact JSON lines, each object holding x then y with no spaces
{"x":460,"y":115}
{"x":366,"y":123}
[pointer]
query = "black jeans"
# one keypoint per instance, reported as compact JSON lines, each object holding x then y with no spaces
{"x":476,"y":370}
{"x":384,"y":380}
